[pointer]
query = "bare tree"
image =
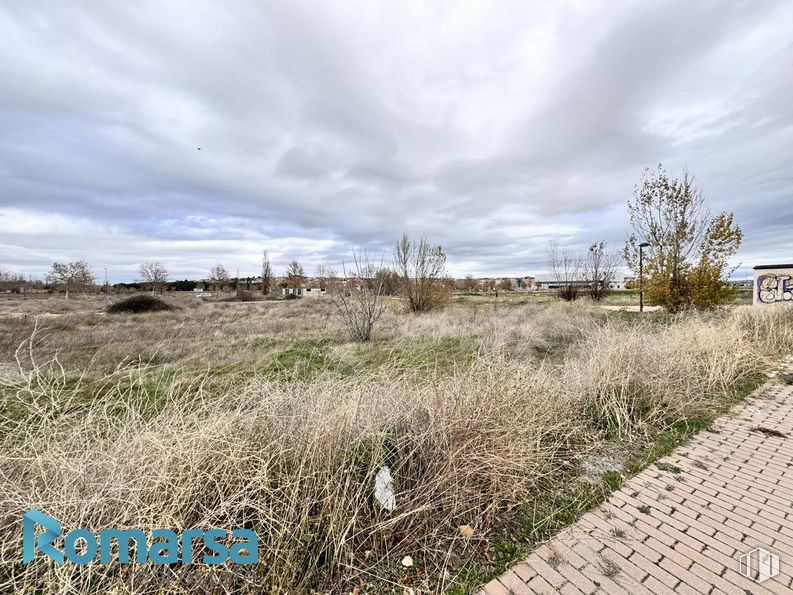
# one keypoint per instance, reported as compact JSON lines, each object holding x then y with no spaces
{"x":359,"y":297}
{"x":60,"y":277}
{"x":295,"y":275}
{"x":73,"y":276}
{"x":6,"y":279}
{"x":600,"y":269}
{"x":154,"y":274}
{"x":469,"y":283}
{"x":82,"y":275}
{"x":422,"y":268}
{"x":17,"y":282}
{"x":566,"y":268}
{"x":267,"y":273}
{"x":218,"y":275}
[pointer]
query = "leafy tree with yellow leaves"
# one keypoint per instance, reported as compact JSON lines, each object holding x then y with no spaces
{"x":688,"y":254}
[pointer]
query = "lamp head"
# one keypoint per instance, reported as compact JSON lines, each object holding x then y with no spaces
{"x":643,"y":245}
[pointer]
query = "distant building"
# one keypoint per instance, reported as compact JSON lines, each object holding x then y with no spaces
{"x":304,"y":291}
{"x":493,"y":283}
{"x":552,"y":283}
{"x":773,"y":284}
{"x":524,"y":283}
{"x":306,"y":287}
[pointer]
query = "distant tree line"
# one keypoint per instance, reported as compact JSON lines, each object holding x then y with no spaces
{"x":685,"y":265}
{"x":17,"y":282}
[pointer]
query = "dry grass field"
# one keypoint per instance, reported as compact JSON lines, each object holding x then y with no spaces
{"x":500,"y":422}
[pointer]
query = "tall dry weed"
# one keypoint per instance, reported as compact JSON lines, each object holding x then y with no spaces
{"x":150,"y":447}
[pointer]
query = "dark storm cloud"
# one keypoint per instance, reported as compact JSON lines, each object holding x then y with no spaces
{"x":489,"y":127}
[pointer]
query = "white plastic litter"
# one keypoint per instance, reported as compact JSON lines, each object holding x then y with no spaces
{"x":384,"y":489}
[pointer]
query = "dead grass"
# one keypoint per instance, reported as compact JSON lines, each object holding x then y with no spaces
{"x":262,"y":415}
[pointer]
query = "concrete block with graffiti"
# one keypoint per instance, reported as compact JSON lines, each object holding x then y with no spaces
{"x":773,"y":284}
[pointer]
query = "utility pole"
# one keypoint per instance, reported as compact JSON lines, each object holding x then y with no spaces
{"x":641,"y":276}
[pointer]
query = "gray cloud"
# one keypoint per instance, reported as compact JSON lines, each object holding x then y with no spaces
{"x":489,"y":127}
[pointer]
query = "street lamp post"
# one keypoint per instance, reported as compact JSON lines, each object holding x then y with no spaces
{"x":641,"y":276}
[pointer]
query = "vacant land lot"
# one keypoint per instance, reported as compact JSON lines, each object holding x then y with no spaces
{"x":500,"y":422}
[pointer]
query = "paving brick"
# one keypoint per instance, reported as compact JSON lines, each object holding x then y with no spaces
{"x":720,"y":585}
{"x":641,"y":559}
{"x":603,"y":583}
{"x":514,"y":584}
{"x":524,"y":571}
{"x":688,"y":578}
{"x":543,"y":569}
{"x":494,"y":587}
{"x":657,"y":586}
{"x":739,"y":498}
{"x":630,"y":576}
{"x":539,"y":585}
{"x":568,"y":589}
{"x":569,"y":555}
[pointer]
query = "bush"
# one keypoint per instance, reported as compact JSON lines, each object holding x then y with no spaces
{"x":422,"y":271}
{"x":291,"y":296}
{"x":243,"y":295}
{"x":139,"y":303}
{"x":568,"y":293}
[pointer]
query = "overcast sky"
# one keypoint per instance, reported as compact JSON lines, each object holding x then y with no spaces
{"x":489,"y":127}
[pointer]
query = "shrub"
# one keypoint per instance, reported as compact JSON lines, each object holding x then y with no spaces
{"x":139,"y":303}
{"x":291,"y":296}
{"x":359,"y":308}
{"x":422,"y":271}
{"x":243,"y":295}
{"x":568,"y":293}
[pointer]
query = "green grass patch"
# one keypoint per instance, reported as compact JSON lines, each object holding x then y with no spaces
{"x":420,"y":357}
{"x":613,"y":480}
{"x":669,"y":467}
{"x":263,"y":342}
{"x":300,"y":363}
{"x":543,"y":517}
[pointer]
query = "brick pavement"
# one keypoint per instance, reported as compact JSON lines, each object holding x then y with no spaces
{"x":666,"y":532}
